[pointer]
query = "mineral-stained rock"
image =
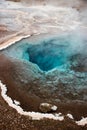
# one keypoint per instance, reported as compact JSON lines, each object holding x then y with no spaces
{"x":46,"y":107}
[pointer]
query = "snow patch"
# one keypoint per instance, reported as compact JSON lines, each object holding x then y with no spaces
{"x":36,"y":115}
{"x":82,"y":122}
{"x":13,"y":41}
{"x":33,"y":115}
{"x":70,"y":116}
{"x":54,"y":108}
{"x":16,"y":102}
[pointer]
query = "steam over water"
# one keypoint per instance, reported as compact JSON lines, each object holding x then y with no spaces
{"x":64,"y":52}
{"x":51,"y":64}
{"x":58,"y":61}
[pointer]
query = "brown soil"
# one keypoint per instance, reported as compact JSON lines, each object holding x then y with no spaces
{"x":11,"y":120}
{"x":29,"y":101}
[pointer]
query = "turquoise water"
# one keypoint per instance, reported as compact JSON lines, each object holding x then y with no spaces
{"x":55,"y":66}
{"x":49,"y":53}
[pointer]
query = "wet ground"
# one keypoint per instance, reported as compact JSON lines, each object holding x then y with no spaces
{"x":64,"y":83}
{"x":14,"y":72}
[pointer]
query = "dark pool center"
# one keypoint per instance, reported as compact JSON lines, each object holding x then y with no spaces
{"x":48,"y":55}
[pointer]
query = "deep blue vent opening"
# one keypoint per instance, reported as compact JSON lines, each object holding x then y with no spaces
{"x":47,"y":55}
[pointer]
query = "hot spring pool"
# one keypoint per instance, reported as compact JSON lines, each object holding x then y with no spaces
{"x":52,"y":67}
{"x":49,"y":53}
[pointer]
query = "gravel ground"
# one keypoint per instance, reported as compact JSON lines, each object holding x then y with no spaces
{"x":9,"y":118}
